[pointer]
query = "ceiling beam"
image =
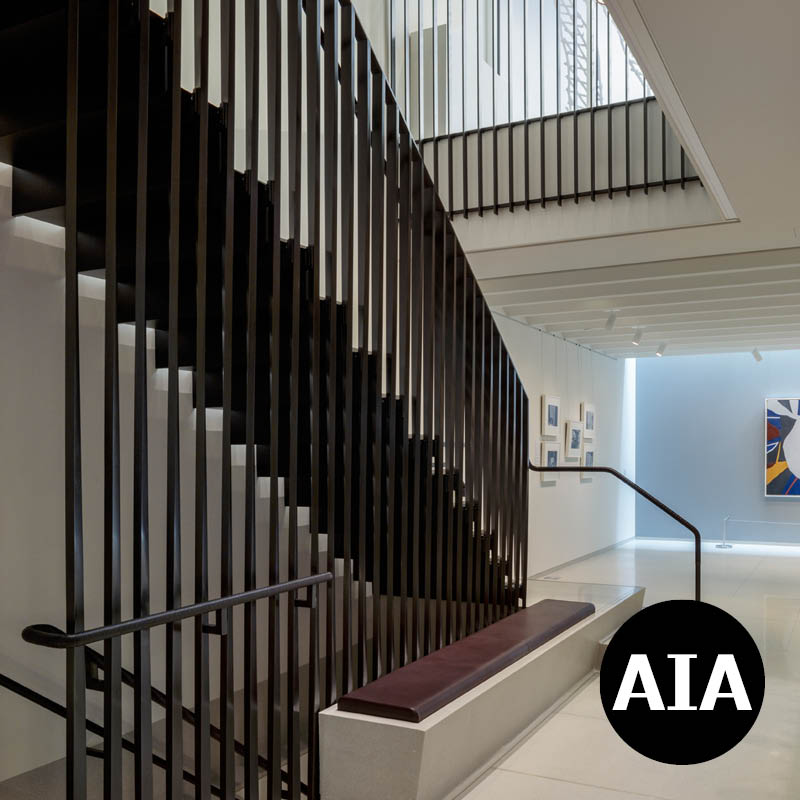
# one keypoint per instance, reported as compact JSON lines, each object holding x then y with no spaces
{"x":701,"y":265}
{"x":689,"y":299}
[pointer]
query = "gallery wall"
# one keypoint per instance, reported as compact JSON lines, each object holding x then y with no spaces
{"x":574,"y":517}
{"x":700,"y":443}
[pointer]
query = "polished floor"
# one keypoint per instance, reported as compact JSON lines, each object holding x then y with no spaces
{"x":575,"y":754}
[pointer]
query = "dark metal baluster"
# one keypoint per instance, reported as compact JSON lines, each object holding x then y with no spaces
{"x":403,"y":293}
{"x":484,"y":451}
{"x":227,"y":778}
{"x":507,"y":473}
{"x":449,"y":120}
{"x":464,"y":160}
{"x":459,"y":337}
{"x":542,"y":186}
{"x":469,"y":425}
{"x":558,"y":103}
{"x":143,"y":729}
{"x":627,"y":128}
{"x":275,"y":160}
{"x":428,"y":260}
{"x":521,"y":525}
{"x":350,"y":300}
{"x":497,"y":438}
{"x":438,"y":292}
{"x":495,"y":68}
{"x":663,"y":152}
{"x":478,"y":102}
{"x":363,"y":313}
{"x":73,"y":507}
{"x":435,"y":93}
{"x":392,"y":143}
{"x":331,"y":69}
{"x":202,"y":742}
{"x":526,"y":125}
{"x":609,"y":111}
{"x":525,"y":496}
{"x":294,"y":29}
{"x":645,"y":121}
{"x":378,"y":662}
{"x":417,"y":321}
{"x":420,"y":81}
{"x":494,"y":456}
{"x":313,"y":44}
{"x":112,"y":690}
{"x":174,"y":750}
{"x":450,"y":425}
{"x":574,"y":108}
{"x":593,"y":69}
{"x":683,"y":168}
{"x":510,"y":120}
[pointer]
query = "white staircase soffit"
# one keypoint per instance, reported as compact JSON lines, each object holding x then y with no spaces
{"x":629,"y":20}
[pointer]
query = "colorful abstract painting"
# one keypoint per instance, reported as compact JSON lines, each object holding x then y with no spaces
{"x":782,"y":474}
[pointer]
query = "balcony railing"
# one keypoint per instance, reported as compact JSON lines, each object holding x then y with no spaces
{"x":526,"y":102}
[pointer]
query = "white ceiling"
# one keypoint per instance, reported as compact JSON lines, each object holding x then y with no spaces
{"x":700,"y":288}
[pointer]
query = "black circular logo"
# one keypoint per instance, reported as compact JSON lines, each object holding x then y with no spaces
{"x":682,"y":682}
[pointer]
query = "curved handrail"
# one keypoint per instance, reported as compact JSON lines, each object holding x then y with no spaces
{"x":48,"y":636}
{"x":647,"y":496}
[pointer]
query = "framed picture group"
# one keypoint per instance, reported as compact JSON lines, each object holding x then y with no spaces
{"x":566,"y":440}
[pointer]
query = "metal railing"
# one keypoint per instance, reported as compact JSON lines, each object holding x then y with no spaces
{"x":650,"y":498}
{"x":528,"y":102}
{"x":354,"y":359}
{"x":50,"y":636}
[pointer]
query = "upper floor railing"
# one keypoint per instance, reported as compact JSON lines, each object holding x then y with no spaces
{"x":521,"y":102}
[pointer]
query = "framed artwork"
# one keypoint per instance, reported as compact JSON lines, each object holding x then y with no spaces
{"x":549,"y":457}
{"x":573,"y":439}
{"x":551,"y":415}
{"x":587,"y":460}
{"x":782,"y":447}
{"x":589,"y":419}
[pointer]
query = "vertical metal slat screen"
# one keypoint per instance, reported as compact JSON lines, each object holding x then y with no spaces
{"x":361,"y":384}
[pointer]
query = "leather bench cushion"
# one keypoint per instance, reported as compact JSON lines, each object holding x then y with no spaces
{"x":416,"y":690}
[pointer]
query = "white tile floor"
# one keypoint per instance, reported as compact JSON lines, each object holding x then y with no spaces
{"x":575,"y":754}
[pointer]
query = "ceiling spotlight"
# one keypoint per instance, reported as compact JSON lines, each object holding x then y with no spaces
{"x":757,"y":355}
{"x":637,"y":337}
{"x":661,"y":349}
{"x":611,"y":321}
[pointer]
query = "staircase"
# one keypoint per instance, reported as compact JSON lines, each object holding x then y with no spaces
{"x":352,"y":368}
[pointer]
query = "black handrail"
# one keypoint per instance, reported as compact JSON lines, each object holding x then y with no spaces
{"x":647,"y":496}
{"x":48,"y":636}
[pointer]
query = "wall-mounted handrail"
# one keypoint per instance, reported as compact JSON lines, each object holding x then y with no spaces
{"x":647,"y":496}
{"x":48,"y":636}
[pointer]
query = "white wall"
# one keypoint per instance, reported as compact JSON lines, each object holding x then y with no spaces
{"x":700,"y":443}
{"x":573,"y":517}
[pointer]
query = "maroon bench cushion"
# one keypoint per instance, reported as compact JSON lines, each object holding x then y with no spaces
{"x":416,"y":690}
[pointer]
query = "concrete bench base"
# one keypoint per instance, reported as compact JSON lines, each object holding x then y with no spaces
{"x":372,"y":758}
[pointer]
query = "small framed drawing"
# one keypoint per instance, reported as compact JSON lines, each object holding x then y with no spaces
{"x":587,"y":460}
{"x":589,"y":419}
{"x":573,"y":439}
{"x":549,"y":458}
{"x":551,"y":415}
